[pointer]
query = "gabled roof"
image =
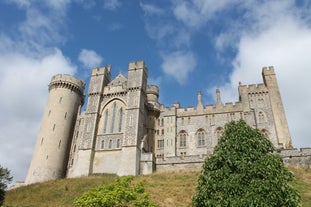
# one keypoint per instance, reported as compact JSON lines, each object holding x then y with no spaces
{"x":120,"y":79}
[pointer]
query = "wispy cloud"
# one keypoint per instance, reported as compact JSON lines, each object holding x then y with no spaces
{"x":112,"y":4}
{"x":90,"y":58}
{"x":178,"y":64}
{"x":150,"y":9}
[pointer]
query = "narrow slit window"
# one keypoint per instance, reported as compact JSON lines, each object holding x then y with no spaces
{"x":105,"y":121}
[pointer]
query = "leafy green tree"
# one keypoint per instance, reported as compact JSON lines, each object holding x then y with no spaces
{"x":5,"y":179}
{"x":244,"y":170}
{"x":121,"y":193}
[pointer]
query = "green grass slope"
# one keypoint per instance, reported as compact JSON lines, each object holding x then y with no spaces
{"x":166,"y":189}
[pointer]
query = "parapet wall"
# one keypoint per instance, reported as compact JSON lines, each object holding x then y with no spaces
{"x":291,"y":158}
{"x":297,"y":158}
{"x":68,"y":81}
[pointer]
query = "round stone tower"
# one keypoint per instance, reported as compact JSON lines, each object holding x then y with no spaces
{"x":51,"y":152}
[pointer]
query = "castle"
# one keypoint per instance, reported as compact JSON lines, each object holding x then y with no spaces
{"x":126,"y":131}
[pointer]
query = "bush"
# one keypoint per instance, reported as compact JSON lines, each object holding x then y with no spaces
{"x":121,"y":193}
{"x":244,"y":170}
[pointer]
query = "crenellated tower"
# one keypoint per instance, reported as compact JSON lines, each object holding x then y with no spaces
{"x":135,"y":118}
{"x":279,"y":116}
{"x":100,"y":77}
{"x":50,"y":156}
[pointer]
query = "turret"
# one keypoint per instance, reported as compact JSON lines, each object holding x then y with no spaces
{"x":218,"y":99}
{"x":200,"y":104}
{"x":51,"y":151}
{"x":281,"y":125}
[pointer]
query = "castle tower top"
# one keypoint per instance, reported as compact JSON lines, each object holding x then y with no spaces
{"x":67,"y":81}
{"x":268,"y":71}
{"x":137,"y":65}
{"x":101,"y":70}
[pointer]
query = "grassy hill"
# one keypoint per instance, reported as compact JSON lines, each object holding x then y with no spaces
{"x":166,"y":189}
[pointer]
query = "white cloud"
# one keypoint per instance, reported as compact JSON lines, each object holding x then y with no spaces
{"x":27,"y":64}
{"x":178,"y":65}
{"x":112,"y":4}
{"x":90,"y":58}
{"x":24,"y":88}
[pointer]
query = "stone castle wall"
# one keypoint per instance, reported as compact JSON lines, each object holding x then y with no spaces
{"x":291,"y":158}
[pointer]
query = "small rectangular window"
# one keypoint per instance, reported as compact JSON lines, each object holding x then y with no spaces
{"x":102,"y":146}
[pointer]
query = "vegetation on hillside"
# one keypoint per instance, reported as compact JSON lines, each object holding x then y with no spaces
{"x":121,"y":193}
{"x":5,"y":179}
{"x":166,"y":189}
{"x":244,"y":170}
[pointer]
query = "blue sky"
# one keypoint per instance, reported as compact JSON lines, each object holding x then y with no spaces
{"x":188,"y":46}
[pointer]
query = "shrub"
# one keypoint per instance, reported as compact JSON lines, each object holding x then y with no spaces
{"x":244,"y":170}
{"x":121,"y":193}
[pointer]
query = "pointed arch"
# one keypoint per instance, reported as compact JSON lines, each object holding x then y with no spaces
{"x":201,"y":137}
{"x":182,"y":137}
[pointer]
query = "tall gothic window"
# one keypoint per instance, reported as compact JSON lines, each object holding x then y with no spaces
{"x":113,"y":117}
{"x":105,"y":121}
{"x":120,"y":119}
{"x":201,"y":137}
{"x":183,"y":139}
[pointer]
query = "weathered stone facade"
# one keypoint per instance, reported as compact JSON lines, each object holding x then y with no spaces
{"x":126,"y":131}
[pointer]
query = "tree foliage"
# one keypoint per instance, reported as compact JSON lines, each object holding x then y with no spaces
{"x":5,"y":179}
{"x":244,"y":170}
{"x":121,"y":193}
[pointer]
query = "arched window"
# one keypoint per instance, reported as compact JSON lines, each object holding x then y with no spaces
{"x":218,"y":133}
{"x":120,"y":119}
{"x":201,"y":137}
{"x":183,"y":139}
{"x":105,"y":121}
{"x":113,"y":117}
{"x":265,"y":133}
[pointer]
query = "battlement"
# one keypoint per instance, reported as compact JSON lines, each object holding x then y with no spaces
{"x":254,"y":88}
{"x":268,"y":70}
{"x":137,"y":65}
{"x":297,"y":158}
{"x":101,"y":70}
{"x":153,"y":89}
{"x":211,"y":109}
{"x":67,"y":81}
